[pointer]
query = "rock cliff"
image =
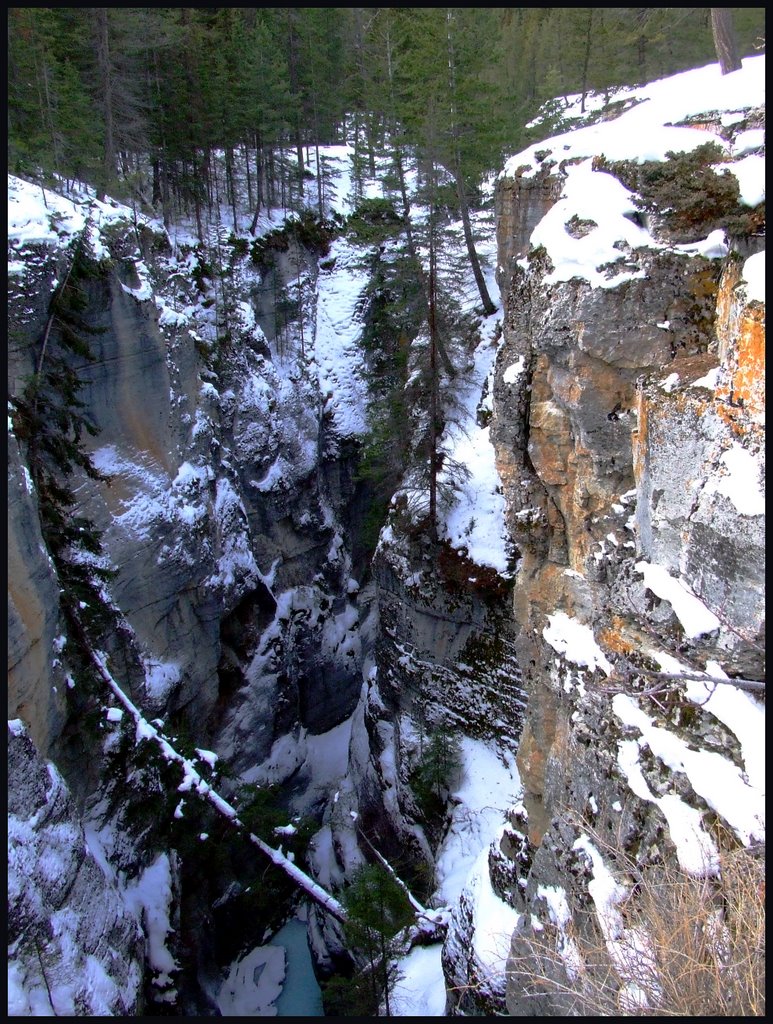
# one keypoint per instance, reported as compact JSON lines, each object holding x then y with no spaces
{"x":74,"y":946}
{"x":629,"y":429}
{"x":626,"y":410}
{"x":226,"y":519}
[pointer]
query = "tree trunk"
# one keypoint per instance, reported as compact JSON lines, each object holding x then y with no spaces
{"x":230,"y":185}
{"x":106,"y":88}
{"x":320,"y":198}
{"x":405,"y":201}
{"x":156,"y":182}
{"x":163,"y":162}
{"x":488,"y":305}
{"x":725,"y":42}
{"x":270,"y":177}
{"x":249,"y":176}
{"x":586,"y":60}
{"x":197,"y":199}
{"x":292,"y":42}
{"x":434,"y":459}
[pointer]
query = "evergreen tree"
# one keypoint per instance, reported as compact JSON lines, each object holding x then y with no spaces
{"x":52,"y":121}
{"x":438,"y":768}
{"x":117,"y":79}
{"x":447,"y":103}
{"x":93,"y":91}
{"x":377,"y":908}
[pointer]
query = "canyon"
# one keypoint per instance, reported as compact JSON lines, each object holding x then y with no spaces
{"x":257,"y":623}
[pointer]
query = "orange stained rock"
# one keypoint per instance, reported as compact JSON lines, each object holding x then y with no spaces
{"x":612,"y":638}
{"x":639,"y":438}
{"x":749,"y":374}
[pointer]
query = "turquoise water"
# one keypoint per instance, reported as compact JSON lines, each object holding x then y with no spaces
{"x":300,"y":996}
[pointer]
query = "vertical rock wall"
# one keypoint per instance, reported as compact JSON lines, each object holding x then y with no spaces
{"x":225,"y":520}
{"x":621,"y":418}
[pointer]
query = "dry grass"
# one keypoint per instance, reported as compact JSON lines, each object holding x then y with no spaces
{"x":689,"y":947}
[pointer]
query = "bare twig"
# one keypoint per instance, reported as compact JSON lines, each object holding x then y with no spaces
{"x":668,"y":679}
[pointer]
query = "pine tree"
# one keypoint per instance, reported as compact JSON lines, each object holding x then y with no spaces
{"x":117,"y":83}
{"x":444,"y":101}
{"x":52,"y":121}
{"x":377,"y":908}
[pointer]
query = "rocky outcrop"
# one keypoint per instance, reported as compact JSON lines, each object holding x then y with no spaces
{"x":445,"y":642}
{"x":74,"y":948}
{"x":36,"y":681}
{"x":225,"y":519}
{"x":629,"y":427}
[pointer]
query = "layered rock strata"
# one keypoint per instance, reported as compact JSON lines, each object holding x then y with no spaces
{"x":629,"y":429}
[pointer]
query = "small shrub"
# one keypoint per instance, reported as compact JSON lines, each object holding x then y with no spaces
{"x":314,"y":233}
{"x":687,"y":194}
{"x":239,"y":246}
{"x":203,"y":271}
{"x":696,"y":949}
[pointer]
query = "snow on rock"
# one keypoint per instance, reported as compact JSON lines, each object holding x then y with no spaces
{"x":740,"y":481}
{"x":474,"y":521}
{"x":607,"y":205}
{"x":488,"y":785}
{"x":655,"y":774}
{"x":694,"y":616}
{"x":236,"y":561}
{"x":477,"y":945}
{"x":750,"y":174}
{"x":741,"y":713}
{"x":420,"y":989}
{"x":160,"y":678}
{"x":715,"y":779}
{"x":514,"y":371}
{"x":649,"y":129}
{"x":254,"y":984}
{"x":696,"y":851}
{"x":575,"y":641}
{"x":601,"y":206}
{"x":150,"y":896}
{"x":37,"y":216}
{"x":479,"y":932}
{"x":74,"y":949}
{"x":339,"y":359}
{"x":754,"y":275}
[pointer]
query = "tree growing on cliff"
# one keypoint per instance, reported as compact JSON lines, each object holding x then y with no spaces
{"x":50,"y":418}
{"x":435,"y":774}
{"x":377,"y":908}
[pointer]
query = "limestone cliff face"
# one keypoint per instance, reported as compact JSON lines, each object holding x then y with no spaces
{"x":36,"y":690}
{"x":225,"y":519}
{"x":444,"y":658}
{"x":74,"y":947}
{"x":625,"y":420}
{"x":193,"y":522}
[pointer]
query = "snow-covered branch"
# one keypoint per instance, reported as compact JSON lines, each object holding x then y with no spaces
{"x":193,"y":780}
